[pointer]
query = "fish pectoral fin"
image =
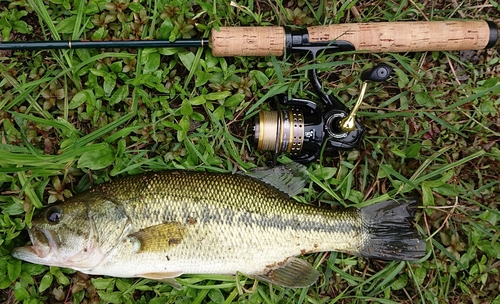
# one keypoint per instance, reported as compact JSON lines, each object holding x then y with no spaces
{"x":159,"y":276}
{"x":165,"y":277}
{"x":292,"y":273}
{"x":159,"y":237}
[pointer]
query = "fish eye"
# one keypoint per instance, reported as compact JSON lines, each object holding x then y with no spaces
{"x":54,"y":214}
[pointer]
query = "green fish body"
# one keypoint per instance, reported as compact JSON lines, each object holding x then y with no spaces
{"x":161,"y":225}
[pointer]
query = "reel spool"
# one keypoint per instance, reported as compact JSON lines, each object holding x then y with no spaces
{"x":280,"y":131}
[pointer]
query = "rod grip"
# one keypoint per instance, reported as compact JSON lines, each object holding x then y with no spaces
{"x":248,"y":41}
{"x":413,"y":36}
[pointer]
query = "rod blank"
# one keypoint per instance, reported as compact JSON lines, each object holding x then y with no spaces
{"x":101,"y":44}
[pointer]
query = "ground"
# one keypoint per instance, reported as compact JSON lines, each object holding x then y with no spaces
{"x":72,"y":118}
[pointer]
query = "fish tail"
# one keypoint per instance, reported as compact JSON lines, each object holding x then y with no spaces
{"x":392,"y":235}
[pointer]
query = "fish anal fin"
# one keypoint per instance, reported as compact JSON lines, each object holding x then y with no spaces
{"x":159,"y":237}
{"x":292,"y":273}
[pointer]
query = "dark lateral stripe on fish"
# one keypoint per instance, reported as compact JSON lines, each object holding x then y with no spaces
{"x":228,"y":216}
{"x":208,"y":214}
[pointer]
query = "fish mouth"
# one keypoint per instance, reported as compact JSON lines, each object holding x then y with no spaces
{"x":42,"y":245}
{"x":48,"y":249}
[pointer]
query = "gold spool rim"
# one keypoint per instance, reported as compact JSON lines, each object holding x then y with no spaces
{"x":259,"y":131}
{"x":266,"y":131}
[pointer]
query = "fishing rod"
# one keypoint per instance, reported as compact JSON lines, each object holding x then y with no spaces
{"x":414,"y":36}
{"x":302,"y":127}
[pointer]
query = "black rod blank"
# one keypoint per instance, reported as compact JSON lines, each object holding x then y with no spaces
{"x":101,"y":44}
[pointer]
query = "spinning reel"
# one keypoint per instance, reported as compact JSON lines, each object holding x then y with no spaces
{"x":300,"y":127}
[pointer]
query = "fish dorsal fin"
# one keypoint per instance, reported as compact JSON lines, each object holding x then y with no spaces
{"x":293,"y":273}
{"x":289,"y":178}
{"x":159,"y":237}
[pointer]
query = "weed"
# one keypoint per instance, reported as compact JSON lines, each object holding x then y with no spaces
{"x":72,"y":118}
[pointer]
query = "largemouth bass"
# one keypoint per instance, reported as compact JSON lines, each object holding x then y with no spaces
{"x":161,"y":225}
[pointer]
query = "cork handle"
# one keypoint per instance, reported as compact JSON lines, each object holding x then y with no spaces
{"x":410,"y":36}
{"x":248,"y":41}
{"x":417,"y":36}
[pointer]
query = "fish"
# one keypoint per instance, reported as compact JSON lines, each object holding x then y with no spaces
{"x":160,"y":225}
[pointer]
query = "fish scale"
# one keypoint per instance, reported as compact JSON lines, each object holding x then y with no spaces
{"x":160,"y":225}
{"x":256,"y":222}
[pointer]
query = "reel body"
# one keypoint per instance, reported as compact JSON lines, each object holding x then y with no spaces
{"x":300,"y":128}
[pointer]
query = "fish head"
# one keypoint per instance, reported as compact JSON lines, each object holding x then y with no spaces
{"x":71,"y":234}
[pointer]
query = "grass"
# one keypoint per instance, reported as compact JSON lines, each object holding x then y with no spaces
{"x":74,"y":118}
